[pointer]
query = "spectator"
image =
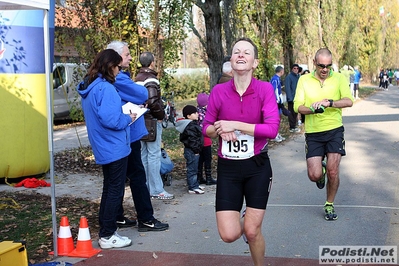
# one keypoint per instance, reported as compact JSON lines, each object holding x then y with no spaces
{"x":151,"y":151}
{"x":137,"y":94}
{"x":385,"y":80}
{"x":349,"y":74}
{"x":347,"y":71}
{"x":226,"y":73}
{"x":108,"y":132}
{"x":390,"y":76}
{"x":191,"y":137}
{"x":356,"y":82}
{"x":291,"y":82}
{"x":276,"y":83}
{"x":396,"y":74}
{"x":381,"y":78}
{"x":205,"y":158}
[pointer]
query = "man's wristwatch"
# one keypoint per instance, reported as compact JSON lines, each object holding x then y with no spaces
{"x":331,"y":102}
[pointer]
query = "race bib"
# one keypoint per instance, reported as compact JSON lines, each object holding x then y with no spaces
{"x":240,"y":149}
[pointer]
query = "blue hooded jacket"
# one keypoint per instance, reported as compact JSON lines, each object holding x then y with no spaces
{"x":129,"y":91}
{"x":291,"y":81}
{"x":107,"y":126}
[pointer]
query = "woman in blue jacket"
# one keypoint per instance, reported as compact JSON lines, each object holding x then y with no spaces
{"x":109,"y":135}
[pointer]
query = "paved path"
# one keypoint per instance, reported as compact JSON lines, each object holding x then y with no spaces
{"x":367,"y":203}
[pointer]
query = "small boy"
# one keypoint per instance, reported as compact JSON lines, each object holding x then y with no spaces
{"x":191,"y":137}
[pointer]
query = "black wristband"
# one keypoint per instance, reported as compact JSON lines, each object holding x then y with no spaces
{"x":319,"y":110}
{"x":331,"y":102}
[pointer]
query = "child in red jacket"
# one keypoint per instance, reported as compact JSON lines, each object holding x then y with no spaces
{"x":206,"y":152}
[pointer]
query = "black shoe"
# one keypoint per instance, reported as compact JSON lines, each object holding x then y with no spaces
{"x":201,"y":181}
{"x":210,"y":181}
{"x":153,"y":225}
{"x":126,"y":223}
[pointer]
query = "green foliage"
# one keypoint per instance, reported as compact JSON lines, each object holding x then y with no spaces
{"x":187,"y":86}
{"x":89,"y":26}
{"x":165,"y":22}
{"x":75,"y":111}
{"x":285,"y":31}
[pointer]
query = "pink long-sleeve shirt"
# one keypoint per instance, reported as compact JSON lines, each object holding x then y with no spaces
{"x":256,"y":106}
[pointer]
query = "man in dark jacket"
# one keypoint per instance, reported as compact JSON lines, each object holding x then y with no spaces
{"x":291,"y":82}
{"x":151,"y":150}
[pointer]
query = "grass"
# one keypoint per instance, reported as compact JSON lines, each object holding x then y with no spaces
{"x":28,"y":218}
{"x":366,"y":91}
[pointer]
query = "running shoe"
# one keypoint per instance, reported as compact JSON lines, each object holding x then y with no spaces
{"x":295,"y":130}
{"x":114,"y":241}
{"x":163,"y":196}
{"x":322,"y":182}
{"x":278,"y":138}
{"x":152,"y":225}
{"x":196,"y":191}
{"x":125,"y":222}
{"x":330,"y":214}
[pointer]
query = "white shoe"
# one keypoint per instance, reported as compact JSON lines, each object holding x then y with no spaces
{"x":118,"y":235}
{"x":115,"y":241}
{"x":277,"y":139}
{"x":163,"y":196}
{"x":196,"y":191}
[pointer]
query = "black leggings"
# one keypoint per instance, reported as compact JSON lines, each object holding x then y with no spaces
{"x":250,"y":178}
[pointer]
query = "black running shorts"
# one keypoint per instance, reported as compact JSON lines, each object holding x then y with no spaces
{"x":250,"y":178}
{"x":321,"y":143}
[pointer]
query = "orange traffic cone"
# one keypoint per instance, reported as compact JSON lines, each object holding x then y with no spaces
{"x":84,"y":247}
{"x":64,"y":238}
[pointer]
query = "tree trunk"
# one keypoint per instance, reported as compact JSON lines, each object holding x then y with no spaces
{"x":213,"y":29}
{"x":287,"y":39}
{"x":228,"y":24}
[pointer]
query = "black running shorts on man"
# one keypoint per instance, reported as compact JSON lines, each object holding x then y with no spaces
{"x":321,"y":143}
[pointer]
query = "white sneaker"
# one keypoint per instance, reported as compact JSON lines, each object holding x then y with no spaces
{"x":163,"y":196}
{"x":118,"y":235}
{"x":115,"y":241}
{"x":277,"y":139}
{"x":196,"y":191}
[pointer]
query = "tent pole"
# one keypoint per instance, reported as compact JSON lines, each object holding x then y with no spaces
{"x":49,"y":93}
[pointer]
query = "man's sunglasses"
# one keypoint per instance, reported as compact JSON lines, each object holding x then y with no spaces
{"x":322,"y":66}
